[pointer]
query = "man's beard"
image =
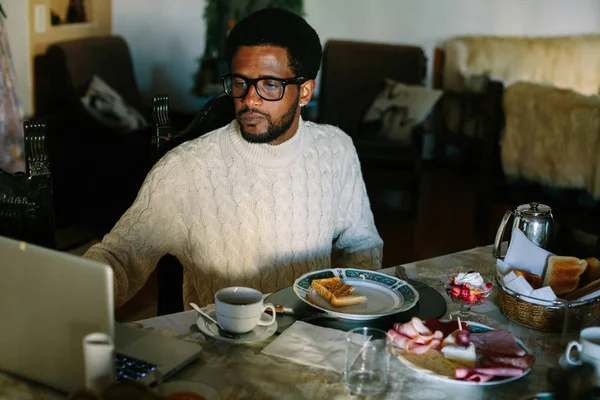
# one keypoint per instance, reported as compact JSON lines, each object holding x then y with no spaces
{"x":274,"y":130}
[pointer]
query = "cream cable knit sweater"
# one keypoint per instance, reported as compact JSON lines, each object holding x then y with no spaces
{"x":237,"y":213}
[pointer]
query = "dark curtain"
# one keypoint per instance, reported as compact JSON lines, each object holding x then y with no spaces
{"x":11,"y":111}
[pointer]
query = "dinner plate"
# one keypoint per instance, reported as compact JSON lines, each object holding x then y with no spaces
{"x":474,"y":327}
{"x":385,"y":294}
{"x":172,"y":387}
{"x":260,"y":332}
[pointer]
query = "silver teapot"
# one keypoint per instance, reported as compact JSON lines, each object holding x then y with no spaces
{"x":535,"y":220}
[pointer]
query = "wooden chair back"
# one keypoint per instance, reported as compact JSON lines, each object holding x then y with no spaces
{"x":26,"y":198}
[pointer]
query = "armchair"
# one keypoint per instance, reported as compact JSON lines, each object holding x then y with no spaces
{"x":26,"y":205}
{"x":353,"y":74}
{"x":97,"y":169}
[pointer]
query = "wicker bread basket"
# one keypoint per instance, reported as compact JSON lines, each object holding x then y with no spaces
{"x":547,"y":316}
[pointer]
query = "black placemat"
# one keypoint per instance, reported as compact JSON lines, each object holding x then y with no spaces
{"x":431,"y":304}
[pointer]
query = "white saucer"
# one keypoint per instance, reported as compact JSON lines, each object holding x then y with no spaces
{"x":203,"y":390}
{"x":258,"y":333}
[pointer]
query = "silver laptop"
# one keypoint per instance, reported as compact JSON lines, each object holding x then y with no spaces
{"x":50,"y":300}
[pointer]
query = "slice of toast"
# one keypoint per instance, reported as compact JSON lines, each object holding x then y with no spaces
{"x":563,"y":273}
{"x":583,"y":291}
{"x":337,"y":293}
{"x":592,"y":272}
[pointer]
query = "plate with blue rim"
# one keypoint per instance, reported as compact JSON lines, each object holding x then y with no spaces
{"x":386,"y":294}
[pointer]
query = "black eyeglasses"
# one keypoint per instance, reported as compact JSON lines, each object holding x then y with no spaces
{"x":270,"y":89}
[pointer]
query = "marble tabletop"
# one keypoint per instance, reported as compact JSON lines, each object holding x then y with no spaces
{"x":241,"y":371}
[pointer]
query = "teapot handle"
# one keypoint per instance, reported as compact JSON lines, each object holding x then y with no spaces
{"x":500,"y":234}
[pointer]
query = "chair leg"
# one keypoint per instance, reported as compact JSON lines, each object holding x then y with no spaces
{"x":170,"y":286}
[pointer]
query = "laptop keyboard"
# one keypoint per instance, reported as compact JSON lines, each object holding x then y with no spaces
{"x":131,"y":369}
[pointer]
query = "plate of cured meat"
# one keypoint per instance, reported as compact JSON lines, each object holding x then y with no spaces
{"x":467,"y":354}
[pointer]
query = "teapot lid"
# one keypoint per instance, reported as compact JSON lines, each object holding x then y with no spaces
{"x":534,"y":209}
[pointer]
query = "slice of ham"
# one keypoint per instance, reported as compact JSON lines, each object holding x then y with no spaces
{"x":445,"y":327}
{"x":496,"y":343}
{"x":482,"y":375}
{"x":417,"y":348}
{"x":417,"y":331}
{"x":398,"y":339}
{"x":414,"y":337}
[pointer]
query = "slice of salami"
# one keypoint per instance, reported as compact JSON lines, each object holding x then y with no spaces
{"x":496,"y":343}
{"x":523,"y":362}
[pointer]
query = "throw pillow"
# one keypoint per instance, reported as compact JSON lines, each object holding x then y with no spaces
{"x":399,"y":107}
{"x":106,"y":106}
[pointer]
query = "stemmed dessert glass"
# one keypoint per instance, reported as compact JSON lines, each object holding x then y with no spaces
{"x":475,"y":296}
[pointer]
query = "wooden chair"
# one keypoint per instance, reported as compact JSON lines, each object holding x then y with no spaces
{"x":26,"y":199}
{"x":216,"y":113}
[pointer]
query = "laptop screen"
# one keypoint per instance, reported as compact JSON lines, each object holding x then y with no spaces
{"x":49,"y":300}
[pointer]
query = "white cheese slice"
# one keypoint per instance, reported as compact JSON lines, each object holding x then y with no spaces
{"x":462,"y":355}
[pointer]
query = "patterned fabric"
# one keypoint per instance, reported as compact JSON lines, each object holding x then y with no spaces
{"x":238,"y":213}
{"x":11,"y":111}
{"x":107,"y":107}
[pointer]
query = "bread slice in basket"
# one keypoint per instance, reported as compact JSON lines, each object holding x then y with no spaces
{"x":337,"y":293}
{"x":563,"y":273}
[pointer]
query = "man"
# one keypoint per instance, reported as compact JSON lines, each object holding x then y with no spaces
{"x":260,"y":201}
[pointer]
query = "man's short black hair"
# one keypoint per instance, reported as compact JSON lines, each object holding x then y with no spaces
{"x":280,"y":28}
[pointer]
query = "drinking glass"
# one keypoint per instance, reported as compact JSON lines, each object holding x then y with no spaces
{"x":367,"y":360}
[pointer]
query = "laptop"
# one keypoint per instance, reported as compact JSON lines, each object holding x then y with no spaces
{"x":49,"y":300}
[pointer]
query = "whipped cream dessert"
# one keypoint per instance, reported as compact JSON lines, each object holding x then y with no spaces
{"x":472,"y":279}
{"x":468,"y":287}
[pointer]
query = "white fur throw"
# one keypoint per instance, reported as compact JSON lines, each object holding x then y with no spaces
{"x":571,"y":62}
{"x":552,"y":136}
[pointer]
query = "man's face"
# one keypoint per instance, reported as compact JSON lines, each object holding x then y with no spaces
{"x":263,"y":121}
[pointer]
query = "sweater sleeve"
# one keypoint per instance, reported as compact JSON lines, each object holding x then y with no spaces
{"x":152,"y":227}
{"x":357,"y":243}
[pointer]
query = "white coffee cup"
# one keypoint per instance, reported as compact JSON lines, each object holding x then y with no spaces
{"x":588,"y":348}
{"x":239,"y":309}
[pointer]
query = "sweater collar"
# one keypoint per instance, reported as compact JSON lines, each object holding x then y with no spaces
{"x":264,"y":154}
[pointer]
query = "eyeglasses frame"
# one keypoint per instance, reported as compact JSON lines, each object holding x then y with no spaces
{"x":298,"y":80}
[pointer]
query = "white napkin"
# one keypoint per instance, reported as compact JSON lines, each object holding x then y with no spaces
{"x":519,"y":285}
{"x":523,"y":254}
{"x":311,"y":345}
{"x":543,"y":293}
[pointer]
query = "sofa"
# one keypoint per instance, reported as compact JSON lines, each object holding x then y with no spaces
{"x":541,"y":121}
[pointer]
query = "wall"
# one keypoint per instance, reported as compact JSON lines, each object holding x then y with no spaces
{"x":100,"y":24}
{"x":166,"y":36}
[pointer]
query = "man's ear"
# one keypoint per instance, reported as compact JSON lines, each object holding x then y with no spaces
{"x":306,"y":91}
